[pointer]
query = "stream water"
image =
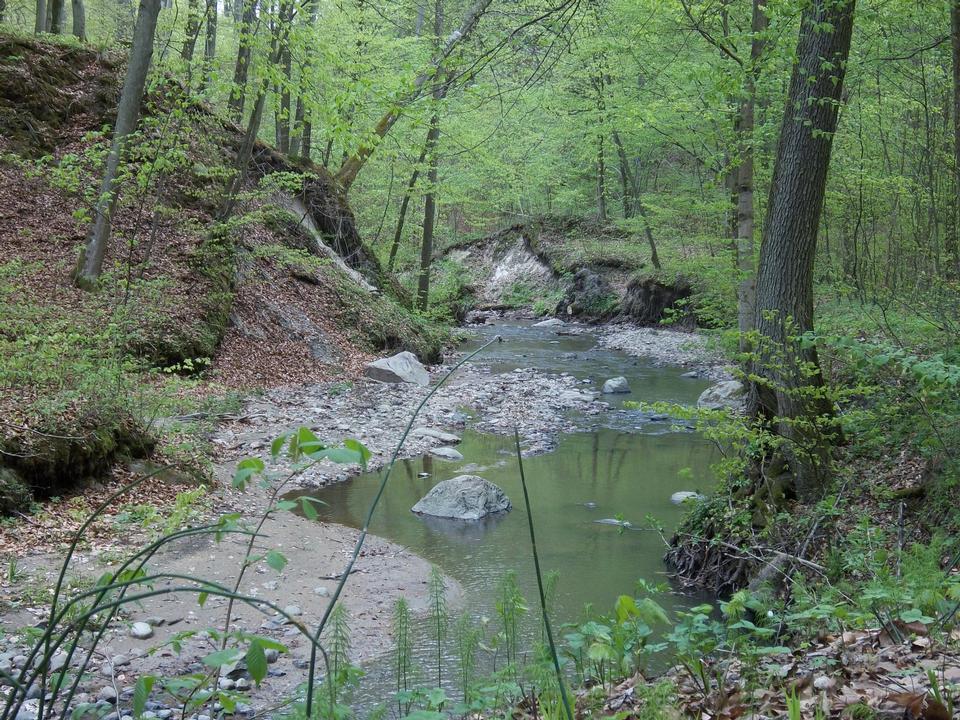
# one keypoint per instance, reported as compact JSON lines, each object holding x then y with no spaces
{"x":626,"y":467}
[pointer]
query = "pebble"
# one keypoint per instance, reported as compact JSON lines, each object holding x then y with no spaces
{"x":293,"y":610}
{"x":120,"y":661}
{"x":243,"y":683}
{"x":824,"y":682}
{"x":141,"y":631}
{"x":272,"y":655}
{"x":164,"y":714}
{"x":107,"y":694}
{"x":322,"y":591}
{"x":225,"y":683}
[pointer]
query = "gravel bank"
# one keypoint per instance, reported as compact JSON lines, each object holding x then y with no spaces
{"x":667,"y":347}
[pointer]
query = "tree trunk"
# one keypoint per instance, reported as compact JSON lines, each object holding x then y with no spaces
{"x":429,"y":216}
{"x":352,"y":165}
{"x":747,"y":289}
{"x":57,"y":9}
{"x":787,"y":389}
{"x":90,"y":263}
{"x":79,"y":20}
{"x":238,"y":92}
{"x":278,"y":42}
{"x":282,"y":121}
{"x":952,"y":242}
{"x":631,"y":199}
{"x":404,"y":204}
{"x":40,"y":24}
{"x":209,"y":43}
{"x":601,"y":183}
{"x":192,"y":31}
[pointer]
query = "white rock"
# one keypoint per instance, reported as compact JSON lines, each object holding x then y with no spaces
{"x":552,"y":322}
{"x":729,"y":394}
{"x":141,"y":631}
{"x":685,"y":496}
{"x":616,"y":385}
{"x":400,"y":368}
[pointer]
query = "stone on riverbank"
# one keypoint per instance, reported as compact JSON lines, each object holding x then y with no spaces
{"x":685,"y":496}
{"x":443,"y":437}
{"x":616,"y":385}
{"x":400,"y":368}
{"x":446,"y":453}
{"x":141,"y":631}
{"x":729,"y":394}
{"x":552,"y":322}
{"x":465,"y":497}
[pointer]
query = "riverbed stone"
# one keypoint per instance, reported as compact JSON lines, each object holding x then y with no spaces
{"x":551,"y":322}
{"x":729,"y":394}
{"x":141,"y":631}
{"x":617,"y":385}
{"x":465,"y":497}
{"x":447,"y":453}
{"x":685,"y":496}
{"x":400,"y":368}
{"x":440,"y":435}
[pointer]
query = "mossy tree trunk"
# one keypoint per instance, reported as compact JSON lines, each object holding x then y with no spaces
{"x":788,"y":387}
{"x":238,"y":91}
{"x":91,"y":259}
{"x":79,"y":20}
{"x":192,"y":31}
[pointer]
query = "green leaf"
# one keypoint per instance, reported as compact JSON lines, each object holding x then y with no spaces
{"x":307,"y":506}
{"x":358,"y":447}
{"x":276,"y":560}
{"x":141,"y":691}
{"x":256,"y":661}
{"x":221,"y":657}
{"x":277,"y":445}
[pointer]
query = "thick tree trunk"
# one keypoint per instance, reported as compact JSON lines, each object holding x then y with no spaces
{"x":352,"y":165}
{"x":747,"y":289}
{"x":601,"y":182}
{"x":631,"y":199}
{"x":90,"y":263}
{"x":40,"y":23}
{"x":57,"y":10}
{"x":79,"y":20}
{"x":952,"y":242}
{"x":192,"y":30}
{"x":789,"y":383}
{"x":238,"y":91}
{"x":404,"y":204}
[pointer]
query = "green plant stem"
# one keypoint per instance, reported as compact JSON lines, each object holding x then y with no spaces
{"x":311,"y":677}
{"x":543,"y":597}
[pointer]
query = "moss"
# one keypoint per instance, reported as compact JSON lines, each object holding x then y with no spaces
{"x":15,"y":494}
{"x":48,"y":463}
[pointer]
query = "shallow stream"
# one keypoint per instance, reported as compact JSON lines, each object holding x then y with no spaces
{"x":626,"y":468}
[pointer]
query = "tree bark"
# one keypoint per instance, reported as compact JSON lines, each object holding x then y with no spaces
{"x":352,"y":165}
{"x":282,"y":119}
{"x":57,"y":10}
{"x":952,"y":242}
{"x":90,"y":263}
{"x":209,"y":43}
{"x":40,"y":24}
{"x":79,"y":20}
{"x":747,"y":289}
{"x":404,"y":204}
{"x":787,"y":389}
{"x":238,"y":91}
{"x":192,"y":31}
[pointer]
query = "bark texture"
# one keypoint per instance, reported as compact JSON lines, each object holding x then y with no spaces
{"x":790,"y":380}
{"x":90,"y":263}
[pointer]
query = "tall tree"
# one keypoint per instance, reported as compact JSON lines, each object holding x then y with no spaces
{"x":79,"y":20}
{"x":786,"y":388}
{"x":953,"y":243}
{"x":238,"y":91}
{"x":90,"y":263}
{"x":209,"y":42}
{"x":40,"y":24}
{"x":192,"y":31}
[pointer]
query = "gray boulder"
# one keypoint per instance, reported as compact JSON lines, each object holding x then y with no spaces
{"x":400,"y":368}
{"x":440,"y":435}
{"x":729,"y":394}
{"x":465,"y":497}
{"x":447,"y":453}
{"x":616,"y":385}
{"x":685,"y":496}
{"x":552,"y":322}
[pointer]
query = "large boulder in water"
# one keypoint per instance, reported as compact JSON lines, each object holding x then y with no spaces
{"x":465,"y":497}
{"x":616,"y":385}
{"x":729,"y":394}
{"x":402,"y":367}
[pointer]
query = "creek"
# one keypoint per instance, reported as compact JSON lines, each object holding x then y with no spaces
{"x":626,"y":467}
